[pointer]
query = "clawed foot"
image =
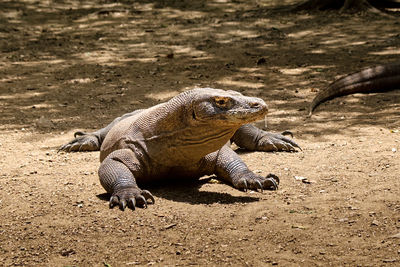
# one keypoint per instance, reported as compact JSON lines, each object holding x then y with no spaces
{"x":277,"y":142}
{"x":82,"y":142}
{"x":255,"y":182}
{"x":131,"y":197}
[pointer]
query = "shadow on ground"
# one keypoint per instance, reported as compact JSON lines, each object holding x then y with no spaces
{"x":79,"y":65}
{"x":189,"y":192}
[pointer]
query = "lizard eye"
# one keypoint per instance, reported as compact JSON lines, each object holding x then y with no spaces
{"x":221,"y":102}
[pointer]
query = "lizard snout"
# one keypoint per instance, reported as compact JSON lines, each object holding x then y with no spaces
{"x":259,"y":105}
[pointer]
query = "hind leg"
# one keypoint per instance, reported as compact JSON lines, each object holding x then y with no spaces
{"x":92,"y":141}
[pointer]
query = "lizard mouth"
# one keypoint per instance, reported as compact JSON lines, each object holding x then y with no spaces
{"x":248,"y":115}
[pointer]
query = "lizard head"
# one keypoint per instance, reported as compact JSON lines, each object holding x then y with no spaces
{"x":226,"y":107}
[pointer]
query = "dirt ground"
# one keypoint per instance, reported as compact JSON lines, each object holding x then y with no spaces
{"x":76,"y":65}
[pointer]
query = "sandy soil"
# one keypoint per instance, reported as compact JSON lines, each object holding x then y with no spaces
{"x":75,"y":65}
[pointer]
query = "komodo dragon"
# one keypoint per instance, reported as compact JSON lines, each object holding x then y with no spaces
{"x":187,"y":136}
{"x":374,"y":79}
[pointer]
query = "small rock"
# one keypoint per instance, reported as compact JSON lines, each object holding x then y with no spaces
{"x":169,"y":226}
{"x":303,"y":179}
{"x":389,"y":260}
{"x":301,"y":227}
{"x":214,"y":181}
{"x":394,"y":150}
{"x":133,"y":263}
{"x":300,"y":178}
{"x":375,"y":223}
{"x":67,"y":252}
{"x":261,"y":61}
{"x":396,"y":236}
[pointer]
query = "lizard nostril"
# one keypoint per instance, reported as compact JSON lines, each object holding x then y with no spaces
{"x":255,"y":105}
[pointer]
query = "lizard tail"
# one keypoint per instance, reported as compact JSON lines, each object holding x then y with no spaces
{"x":371,"y":80}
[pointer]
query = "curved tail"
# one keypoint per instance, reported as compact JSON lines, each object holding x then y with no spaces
{"x":371,"y":80}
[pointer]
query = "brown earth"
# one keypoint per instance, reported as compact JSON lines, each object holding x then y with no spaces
{"x":75,"y":65}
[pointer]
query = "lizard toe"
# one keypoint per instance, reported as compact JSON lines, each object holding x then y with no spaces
{"x":132,"y":203}
{"x":82,"y":142}
{"x":113,"y":201}
{"x":259,"y":186}
{"x":131,"y":197}
{"x":287,"y":133}
{"x":122,"y":204}
{"x":147,"y":195}
{"x":242,"y":184}
{"x":277,"y":142}
{"x":276,"y":178}
{"x":270,"y":183}
{"x":79,"y":133}
{"x":258,"y":183}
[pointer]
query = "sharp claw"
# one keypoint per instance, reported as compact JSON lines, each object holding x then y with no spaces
{"x":113,"y":201}
{"x":148,"y":195}
{"x":274,"y":147}
{"x":291,"y":148}
{"x":287,"y":141}
{"x":243,"y":183}
{"x":79,"y":133}
{"x":144,"y":204}
{"x":285,"y":147}
{"x":270,"y":183}
{"x":276,"y":178}
{"x":259,"y":185}
{"x":294,"y":144}
{"x":122,"y":204}
{"x":275,"y":185}
{"x":287,"y":133}
{"x":132,"y":203}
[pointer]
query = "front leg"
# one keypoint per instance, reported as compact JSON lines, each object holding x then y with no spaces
{"x":251,"y":138}
{"x":230,"y":168}
{"x":116,"y":175}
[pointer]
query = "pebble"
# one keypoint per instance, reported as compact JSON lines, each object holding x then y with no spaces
{"x":396,"y":236}
{"x":375,"y":223}
{"x":389,"y":260}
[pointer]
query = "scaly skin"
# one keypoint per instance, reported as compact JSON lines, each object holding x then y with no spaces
{"x":187,"y":136}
